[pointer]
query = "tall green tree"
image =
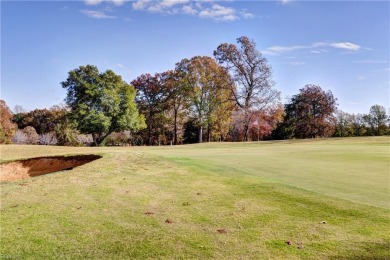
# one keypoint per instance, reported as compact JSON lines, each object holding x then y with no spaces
{"x":343,"y":124}
{"x":101,"y":103}
{"x":285,"y":129}
{"x":254,"y":90}
{"x":210,"y":88}
{"x":178,"y":100}
{"x":221,"y":119}
{"x":358,"y":125}
{"x":377,"y":119}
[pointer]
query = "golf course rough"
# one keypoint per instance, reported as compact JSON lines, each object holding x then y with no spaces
{"x":267,"y":200}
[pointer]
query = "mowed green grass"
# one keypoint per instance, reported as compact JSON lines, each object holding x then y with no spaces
{"x":356,"y":169}
{"x":260,"y":194}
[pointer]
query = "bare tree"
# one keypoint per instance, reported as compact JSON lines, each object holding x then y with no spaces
{"x":48,"y":139}
{"x":19,"y":109}
{"x":19,"y":137}
{"x":253,"y":77}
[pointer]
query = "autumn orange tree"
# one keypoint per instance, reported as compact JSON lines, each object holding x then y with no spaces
{"x":7,"y":128}
{"x":43,"y":120}
{"x":178,"y":101}
{"x":210,"y":88}
{"x":253,"y":90}
{"x":265,"y":121}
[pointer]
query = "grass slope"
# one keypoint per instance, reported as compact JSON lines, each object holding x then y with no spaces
{"x":98,"y":210}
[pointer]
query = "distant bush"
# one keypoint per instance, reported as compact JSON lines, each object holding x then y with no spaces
{"x":121,"y":138}
{"x":66,"y":135}
{"x":48,"y":139}
{"x":32,"y":136}
{"x":27,"y":135}
{"x":86,"y":140}
{"x":19,"y":137}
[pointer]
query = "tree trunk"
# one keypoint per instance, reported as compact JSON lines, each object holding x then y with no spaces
{"x":175,"y":127}
{"x":247,"y":119}
{"x":94,"y":139}
{"x":200,"y":134}
{"x":99,"y":139}
{"x":208,"y":133}
{"x":150,"y":129}
{"x":246,"y":131}
{"x":149,"y":135}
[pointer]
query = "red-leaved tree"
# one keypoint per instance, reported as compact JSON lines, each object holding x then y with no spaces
{"x":312,"y":112}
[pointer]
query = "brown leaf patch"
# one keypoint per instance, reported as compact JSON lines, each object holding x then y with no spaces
{"x":222,"y":231}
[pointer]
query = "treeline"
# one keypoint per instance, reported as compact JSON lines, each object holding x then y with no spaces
{"x":376,"y":122}
{"x":230,"y":97}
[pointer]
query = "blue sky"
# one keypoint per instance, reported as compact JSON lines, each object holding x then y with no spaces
{"x":341,"y":46}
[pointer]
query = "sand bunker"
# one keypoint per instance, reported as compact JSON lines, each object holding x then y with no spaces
{"x":27,"y":168}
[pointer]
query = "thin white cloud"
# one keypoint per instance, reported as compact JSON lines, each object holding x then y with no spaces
{"x":316,"y":48}
{"x":118,"y":2}
{"x":140,"y":4}
{"x":346,"y":46}
{"x":187,"y":9}
{"x":296,"y":63}
{"x":276,"y":50}
{"x":170,"y":3}
{"x":164,"y":6}
{"x":284,"y":2}
{"x":319,"y":51}
{"x":219,"y":13}
{"x":93,"y":2}
{"x":97,"y":14}
{"x":97,"y":2}
{"x":206,"y":9}
{"x":371,"y":61}
{"x":246,"y":14}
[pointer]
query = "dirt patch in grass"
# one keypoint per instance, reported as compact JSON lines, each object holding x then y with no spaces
{"x":28,"y":168}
